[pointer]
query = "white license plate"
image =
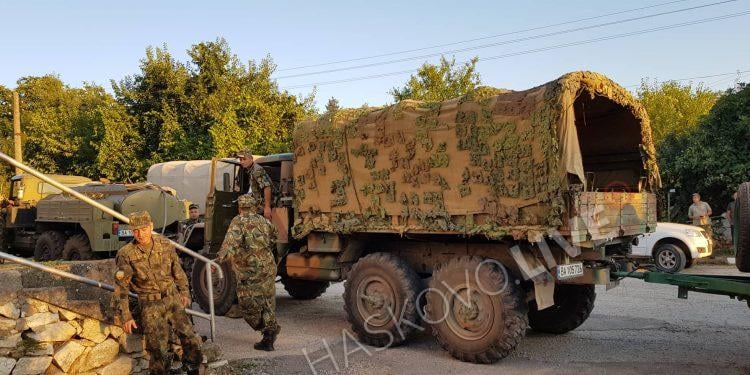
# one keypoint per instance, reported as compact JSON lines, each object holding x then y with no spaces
{"x":567,"y":271}
{"x":125,"y":233}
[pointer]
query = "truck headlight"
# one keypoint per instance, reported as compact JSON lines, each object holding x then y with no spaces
{"x":692,"y":233}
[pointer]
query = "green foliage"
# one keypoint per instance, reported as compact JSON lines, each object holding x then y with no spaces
{"x":440,"y":82}
{"x":713,"y":158}
{"x":212,"y":105}
{"x":674,"y":108}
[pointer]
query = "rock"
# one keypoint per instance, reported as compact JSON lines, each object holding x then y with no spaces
{"x":76,"y":325}
{"x":37,"y":320}
{"x":7,"y":324}
{"x":211,"y":351}
{"x":94,"y":330}
{"x":138,"y":355}
{"x":32,"y":365}
{"x":68,"y":354}
{"x":131,"y":343}
{"x":33,"y":307}
{"x":122,"y":365}
{"x":60,"y":331}
{"x":12,"y":283}
{"x":87,"y":343}
{"x":41,"y":349}
{"x":10,"y":341}
{"x":218,"y":364}
{"x":68,"y":315}
{"x":100,"y":355}
{"x":6,"y":365}
{"x":10,"y":310}
{"x":53,"y":370}
{"x":115,"y":331}
{"x":4,"y":352}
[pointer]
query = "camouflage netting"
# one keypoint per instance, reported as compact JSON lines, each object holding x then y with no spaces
{"x":493,"y":163}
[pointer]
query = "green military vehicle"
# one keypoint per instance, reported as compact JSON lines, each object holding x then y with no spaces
{"x":52,"y":226}
{"x":478,"y":216}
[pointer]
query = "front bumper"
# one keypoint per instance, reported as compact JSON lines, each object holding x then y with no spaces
{"x":701,"y":247}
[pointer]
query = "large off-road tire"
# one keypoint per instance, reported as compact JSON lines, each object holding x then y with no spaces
{"x":741,"y":216}
{"x":49,"y":246}
{"x":225,"y":290}
{"x":573,"y":305}
{"x":669,"y":258}
{"x":382,"y":286}
{"x":476,"y":309}
{"x":77,"y":247}
{"x":304,"y":289}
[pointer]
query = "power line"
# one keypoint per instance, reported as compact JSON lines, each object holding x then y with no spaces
{"x":480,"y":38}
{"x":738,"y":72}
{"x":552,"y":47}
{"x":505,"y":42}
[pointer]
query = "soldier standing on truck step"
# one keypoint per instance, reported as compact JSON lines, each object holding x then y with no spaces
{"x":249,"y":246}
{"x":258,"y":182}
{"x":149,"y":266}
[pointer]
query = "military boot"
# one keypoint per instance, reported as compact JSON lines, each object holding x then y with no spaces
{"x":269,"y":337}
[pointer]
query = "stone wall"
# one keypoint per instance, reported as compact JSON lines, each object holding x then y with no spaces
{"x":49,"y":325}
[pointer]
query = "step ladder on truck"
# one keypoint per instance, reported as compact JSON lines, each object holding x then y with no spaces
{"x":210,"y":316}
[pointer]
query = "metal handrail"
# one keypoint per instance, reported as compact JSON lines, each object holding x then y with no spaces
{"x":80,"y":279}
{"x":209,"y":268}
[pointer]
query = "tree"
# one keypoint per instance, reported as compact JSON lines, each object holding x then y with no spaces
{"x":213,"y":105}
{"x":674,"y":108}
{"x":440,"y":82}
{"x":714,"y":158}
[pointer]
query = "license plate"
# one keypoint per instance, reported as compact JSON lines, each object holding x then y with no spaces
{"x":125,"y":233}
{"x":567,"y":271}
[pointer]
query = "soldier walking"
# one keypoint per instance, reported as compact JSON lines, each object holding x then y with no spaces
{"x":149,"y":266}
{"x":249,"y":246}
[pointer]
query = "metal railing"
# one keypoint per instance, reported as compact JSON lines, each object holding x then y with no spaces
{"x":211,"y":265}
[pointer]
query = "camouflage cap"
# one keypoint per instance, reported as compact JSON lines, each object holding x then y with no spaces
{"x":139,"y":220}
{"x":244,"y":154}
{"x":247,"y":201}
{"x":193,"y":205}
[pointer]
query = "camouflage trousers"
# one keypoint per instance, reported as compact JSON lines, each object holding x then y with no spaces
{"x":259,"y":312}
{"x":159,"y":319}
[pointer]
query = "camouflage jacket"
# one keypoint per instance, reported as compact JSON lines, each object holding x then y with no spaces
{"x":152,"y":272}
{"x":257,"y":180}
{"x":249,"y":246}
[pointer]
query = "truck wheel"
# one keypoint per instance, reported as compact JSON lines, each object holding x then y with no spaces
{"x":225,"y":290}
{"x":380,"y":299}
{"x":304,"y":289}
{"x":77,"y":247}
{"x":669,"y":258}
{"x":742,"y":227}
{"x":49,"y":246}
{"x":573,"y":305}
{"x":476,"y":310}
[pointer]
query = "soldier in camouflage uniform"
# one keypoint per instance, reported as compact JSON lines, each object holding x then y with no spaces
{"x":249,"y":246}
{"x":258,"y":183}
{"x":149,"y":266}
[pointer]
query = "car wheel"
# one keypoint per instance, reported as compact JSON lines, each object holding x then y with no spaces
{"x":669,"y":258}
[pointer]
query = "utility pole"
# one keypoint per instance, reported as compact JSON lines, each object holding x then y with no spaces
{"x":18,"y":151}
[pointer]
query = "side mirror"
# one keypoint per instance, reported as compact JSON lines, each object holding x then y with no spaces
{"x":227,"y":182}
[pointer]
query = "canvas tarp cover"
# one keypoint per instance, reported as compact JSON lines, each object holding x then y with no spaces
{"x":491,"y":162}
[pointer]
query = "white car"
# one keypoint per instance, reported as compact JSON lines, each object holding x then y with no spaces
{"x":672,"y":246}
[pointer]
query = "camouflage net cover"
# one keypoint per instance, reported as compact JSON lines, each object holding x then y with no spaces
{"x":491,"y":163}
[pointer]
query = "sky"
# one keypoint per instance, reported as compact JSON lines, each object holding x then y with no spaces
{"x":97,"y":41}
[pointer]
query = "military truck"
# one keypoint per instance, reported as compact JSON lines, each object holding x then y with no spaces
{"x":19,"y":211}
{"x":56,"y":226}
{"x":478,"y":216}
